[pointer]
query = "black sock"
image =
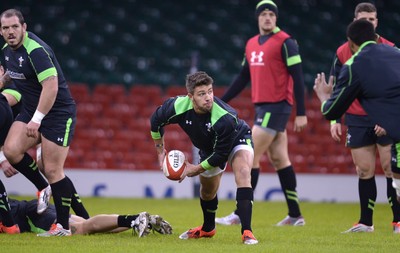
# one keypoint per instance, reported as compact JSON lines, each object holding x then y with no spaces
{"x":28,"y":167}
{"x":244,"y":206}
{"x":62,"y":194}
{"x":367,"y":193}
{"x":287,"y":177}
{"x":391,"y":195}
{"x":126,"y":220}
{"x":76,"y":202}
{"x":209,"y":209}
{"x":5,"y":210}
{"x":255,"y":172}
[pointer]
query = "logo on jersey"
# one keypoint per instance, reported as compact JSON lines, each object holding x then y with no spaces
{"x":208,"y":125}
{"x":188,"y":122}
{"x":21,"y":60}
{"x":7,"y":58}
{"x":60,"y":139}
{"x":256,"y":58}
{"x":15,"y":75}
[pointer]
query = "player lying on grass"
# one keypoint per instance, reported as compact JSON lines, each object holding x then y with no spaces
{"x":28,"y":220}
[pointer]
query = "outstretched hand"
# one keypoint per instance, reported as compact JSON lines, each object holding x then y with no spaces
{"x":323,"y":89}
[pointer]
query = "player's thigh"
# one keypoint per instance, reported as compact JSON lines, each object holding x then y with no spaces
{"x":209,"y":186}
{"x":278,"y":151}
{"x":241,"y":163}
{"x":385,"y":157}
{"x":17,"y":141}
{"x":262,"y":139}
{"x":364,"y":159}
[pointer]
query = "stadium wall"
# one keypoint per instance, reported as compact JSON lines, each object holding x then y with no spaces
{"x":153,"y":184}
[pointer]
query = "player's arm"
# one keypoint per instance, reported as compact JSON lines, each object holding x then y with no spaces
{"x":12,"y":95}
{"x":336,"y":127}
{"x":5,"y":78}
{"x":160,"y":118}
{"x":346,"y":91}
{"x":239,"y":83}
{"x":290,"y":52}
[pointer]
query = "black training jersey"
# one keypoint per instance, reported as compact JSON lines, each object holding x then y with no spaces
{"x":373,"y":76}
{"x":28,"y":66}
{"x":26,"y":216}
{"x":213,"y":133}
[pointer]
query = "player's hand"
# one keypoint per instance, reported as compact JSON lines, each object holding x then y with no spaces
{"x":8,"y":170}
{"x":321,"y":88}
{"x":300,"y":122}
{"x":336,"y":131}
{"x":32,"y":129}
{"x":191,"y":171}
{"x":379,"y":131}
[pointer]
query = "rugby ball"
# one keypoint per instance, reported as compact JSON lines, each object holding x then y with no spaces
{"x":174,"y":164}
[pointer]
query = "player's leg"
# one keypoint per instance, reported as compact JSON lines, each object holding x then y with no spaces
{"x":385,"y":160}
{"x":262,"y":138}
{"x":279,"y":157}
{"x":209,"y":183}
{"x":15,"y":149}
{"x":241,"y":161}
{"x":7,"y":223}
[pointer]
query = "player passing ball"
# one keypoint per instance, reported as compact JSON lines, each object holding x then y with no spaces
{"x":214,"y":128}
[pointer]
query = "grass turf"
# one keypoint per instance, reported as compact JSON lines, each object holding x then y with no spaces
{"x":322,"y":233}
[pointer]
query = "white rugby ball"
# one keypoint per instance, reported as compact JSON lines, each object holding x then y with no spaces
{"x":174,"y":164}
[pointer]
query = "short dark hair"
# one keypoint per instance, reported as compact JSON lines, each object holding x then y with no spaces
{"x":364,"y":7}
{"x":197,"y":79}
{"x":13,"y":12}
{"x":360,"y":31}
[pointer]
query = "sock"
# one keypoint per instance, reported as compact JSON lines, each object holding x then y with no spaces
{"x":255,"y":172}
{"x":76,"y":202}
{"x":367,"y":193}
{"x":244,"y":206}
{"x":391,"y":195}
{"x":126,"y":220}
{"x":62,"y":194}
{"x":5,"y":210}
{"x":287,"y":177}
{"x":209,"y":209}
{"x":28,"y":167}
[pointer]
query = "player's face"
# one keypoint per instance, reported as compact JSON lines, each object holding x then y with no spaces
{"x":369,"y":16}
{"x":12,"y":31}
{"x":266,"y":22}
{"x":203,"y":98}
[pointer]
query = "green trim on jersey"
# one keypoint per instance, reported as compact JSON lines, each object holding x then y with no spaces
{"x":206,"y":165}
{"x":67,"y":130}
{"x":33,"y":228}
{"x":13,"y":93}
{"x":183,"y":104}
{"x":217,"y":112}
{"x":31,"y":45}
{"x":293,"y":60}
{"x":351,"y":60}
{"x":276,"y":30}
{"x":155,"y":135}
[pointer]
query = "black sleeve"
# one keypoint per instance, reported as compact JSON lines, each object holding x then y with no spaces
{"x":344,"y":93}
{"x":160,"y":118}
{"x":290,"y":51}
{"x":238,"y":84}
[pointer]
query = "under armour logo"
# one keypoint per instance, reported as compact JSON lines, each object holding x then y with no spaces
{"x":7,"y":58}
{"x":188,"y":122}
{"x":257,"y":58}
{"x":20,"y":59}
{"x":60,"y":139}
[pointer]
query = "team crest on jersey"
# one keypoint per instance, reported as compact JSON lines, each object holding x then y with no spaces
{"x":21,"y":60}
{"x":208,"y":125}
{"x":257,"y":58}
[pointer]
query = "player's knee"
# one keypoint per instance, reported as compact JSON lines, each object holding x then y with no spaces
{"x":365,"y":172}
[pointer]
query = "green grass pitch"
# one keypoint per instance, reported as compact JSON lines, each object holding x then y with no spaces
{"x":322,"y":233}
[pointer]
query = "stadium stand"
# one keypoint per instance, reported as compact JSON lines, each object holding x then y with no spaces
{"x":124,"y":58}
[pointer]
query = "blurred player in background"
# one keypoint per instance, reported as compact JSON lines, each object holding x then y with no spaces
{"x":372,"y":76}
{"x":273,"y":65}
{"x":48,"y":113}
{"x":362,"y":139}
{"x":28,"y":220}
{"x":221,"y":137}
